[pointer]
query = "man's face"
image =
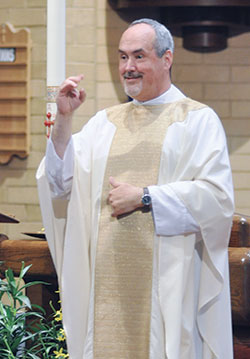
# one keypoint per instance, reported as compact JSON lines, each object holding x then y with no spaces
{"x":143,"y":74}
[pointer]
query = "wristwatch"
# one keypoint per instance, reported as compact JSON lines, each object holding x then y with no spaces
{"x":146,"y":198}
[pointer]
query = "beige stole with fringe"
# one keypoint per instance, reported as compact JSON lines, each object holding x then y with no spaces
{"x":124,"y":256}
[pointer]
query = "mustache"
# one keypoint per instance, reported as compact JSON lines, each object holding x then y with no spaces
{"x":132,"y":75}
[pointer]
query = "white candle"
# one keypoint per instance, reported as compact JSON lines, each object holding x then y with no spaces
{"x":55,"y":42}
{"x":56,"y":10}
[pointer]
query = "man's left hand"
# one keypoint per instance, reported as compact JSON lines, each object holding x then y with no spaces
{"x":124,"y":197}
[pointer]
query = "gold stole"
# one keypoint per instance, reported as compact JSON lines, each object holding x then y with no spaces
{"x":124,"y":255}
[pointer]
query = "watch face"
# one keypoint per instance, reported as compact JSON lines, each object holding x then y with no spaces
{"x":146,"y":200}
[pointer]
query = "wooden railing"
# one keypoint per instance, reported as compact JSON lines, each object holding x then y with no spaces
{"x":239,"y":263}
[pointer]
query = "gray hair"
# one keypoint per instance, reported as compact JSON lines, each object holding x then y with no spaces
{"x":163,"y":38}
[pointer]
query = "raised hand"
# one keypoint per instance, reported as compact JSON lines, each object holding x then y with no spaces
{"x":69,"y":98}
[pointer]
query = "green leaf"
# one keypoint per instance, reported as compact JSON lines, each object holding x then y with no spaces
{"x":29,"y":284}
{"x":24,"y":270}
{"x":10,"y":277}
{"x":23,"y":299}
{"x":41,"y":309}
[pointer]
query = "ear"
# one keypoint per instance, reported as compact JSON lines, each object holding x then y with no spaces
{"x":168,"y":59}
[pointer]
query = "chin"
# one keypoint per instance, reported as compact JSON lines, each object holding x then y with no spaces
{"x":133,"y":91}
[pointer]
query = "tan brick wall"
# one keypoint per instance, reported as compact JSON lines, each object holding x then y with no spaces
{"x":222,"y":80}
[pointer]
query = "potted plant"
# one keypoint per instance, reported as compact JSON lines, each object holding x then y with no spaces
{"x":25,"y":332}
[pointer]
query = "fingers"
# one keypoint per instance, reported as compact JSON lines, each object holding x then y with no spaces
{"x":70,"y":84}
{"x":82,"y":95}
{"x":111,"y":197}
{"x":116,"y":197}
{"x":113,"y":182}
{"x":77,"y":78}
{"x":124,"y":197}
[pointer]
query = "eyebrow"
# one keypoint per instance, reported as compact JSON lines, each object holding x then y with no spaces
{"x":133,"y":52}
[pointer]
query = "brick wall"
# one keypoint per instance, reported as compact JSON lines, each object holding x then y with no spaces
{"x":222,"y":80}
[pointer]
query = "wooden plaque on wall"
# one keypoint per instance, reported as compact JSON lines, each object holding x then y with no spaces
{"x":15,"y":48}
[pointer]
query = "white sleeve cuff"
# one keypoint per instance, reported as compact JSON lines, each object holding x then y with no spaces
{"x":59,"y":171}
{"x":171,"y":217}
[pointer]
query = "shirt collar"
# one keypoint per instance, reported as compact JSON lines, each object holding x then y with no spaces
{"x":171,"y":95}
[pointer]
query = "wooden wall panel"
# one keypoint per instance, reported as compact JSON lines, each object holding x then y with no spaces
{"x":14,"y":92}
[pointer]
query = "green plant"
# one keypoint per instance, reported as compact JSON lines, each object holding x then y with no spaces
{"x":51,"y":340}
{"x":15,"y":332}
{"x":25,"y":333}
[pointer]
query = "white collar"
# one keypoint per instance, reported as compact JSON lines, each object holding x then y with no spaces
{"x":171,"y":95}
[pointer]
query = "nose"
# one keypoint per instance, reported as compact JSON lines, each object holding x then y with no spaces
{"x":130,"y":64}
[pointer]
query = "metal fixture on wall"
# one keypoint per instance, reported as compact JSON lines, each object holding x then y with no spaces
{"x":204,"y":25}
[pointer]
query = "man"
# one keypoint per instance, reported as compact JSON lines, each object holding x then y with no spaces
{"x":137,"y":209}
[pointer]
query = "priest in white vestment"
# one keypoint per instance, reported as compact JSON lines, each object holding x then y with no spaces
{"x":137,"y":209}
